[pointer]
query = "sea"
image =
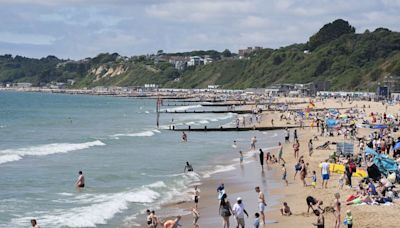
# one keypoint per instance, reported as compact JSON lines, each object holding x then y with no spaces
{"x":129,"y":164}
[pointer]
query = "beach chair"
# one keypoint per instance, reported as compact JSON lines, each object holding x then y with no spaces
{"x":344,"y":149}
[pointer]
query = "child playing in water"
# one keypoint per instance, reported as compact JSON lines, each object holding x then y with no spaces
{"x":314,"y":179}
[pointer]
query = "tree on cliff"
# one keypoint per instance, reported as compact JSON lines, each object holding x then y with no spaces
{"x":329,"y":32}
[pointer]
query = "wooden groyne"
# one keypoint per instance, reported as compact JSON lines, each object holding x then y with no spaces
{"x":205,"y":128}
{"x":209,"y":111}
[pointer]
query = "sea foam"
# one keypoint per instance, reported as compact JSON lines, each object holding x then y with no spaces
{"x":103,"y":208}
{"x":137,"y":134}
{"x":10,"y":155}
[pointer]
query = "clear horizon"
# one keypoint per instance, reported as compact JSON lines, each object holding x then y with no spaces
{"x":77,"y":29}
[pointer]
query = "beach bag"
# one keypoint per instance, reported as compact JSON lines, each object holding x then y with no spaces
{"x":224,"y":211}
{"x":297,"y":167}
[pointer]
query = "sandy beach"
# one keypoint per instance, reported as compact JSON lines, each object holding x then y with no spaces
{"x":241,"y":182}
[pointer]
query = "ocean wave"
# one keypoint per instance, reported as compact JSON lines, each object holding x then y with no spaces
{"x":158,"y":184}
{"x":9,"y":158}
{"x":138,"y":134}
{"x":218,"y":169}
{"x":103,"y":208}
{"x":10,"y":155}
{"x":181,"y":108}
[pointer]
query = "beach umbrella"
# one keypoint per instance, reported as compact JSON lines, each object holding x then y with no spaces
{"x":331,"y":122}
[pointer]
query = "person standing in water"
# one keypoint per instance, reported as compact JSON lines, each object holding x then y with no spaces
{"x":280,"y":153}
{"x":241,"y":157}
{"x":184,"y":137}
{"x":80,"y":182}
{"x":261,"y":159}
{"x":253,"y":143}
{"x":188,"y":167}
{"x":261,"y":203}
{"x":34,"y":223}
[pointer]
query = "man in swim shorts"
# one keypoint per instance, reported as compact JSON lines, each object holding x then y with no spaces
{"x":325,"y":173}
{"x":261,"y":203}
{"x":80,"y":183}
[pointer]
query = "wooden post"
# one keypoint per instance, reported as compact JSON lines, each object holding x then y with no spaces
{"x":158,"y":103}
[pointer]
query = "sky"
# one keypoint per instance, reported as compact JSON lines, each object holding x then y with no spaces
{"x":78,"y":29}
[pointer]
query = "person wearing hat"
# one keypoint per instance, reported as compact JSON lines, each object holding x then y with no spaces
{"x":239,"y":212}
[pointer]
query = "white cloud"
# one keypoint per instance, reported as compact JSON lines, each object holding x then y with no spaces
{"x":255,"y":22}
{"x":81,"y":28}
{"x":25,"y":38}
{"x":198,"y":11}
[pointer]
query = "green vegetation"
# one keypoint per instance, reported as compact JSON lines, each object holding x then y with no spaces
{"x":346,"y":59}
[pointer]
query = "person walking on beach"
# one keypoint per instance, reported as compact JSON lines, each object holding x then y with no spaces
{"x":337,"y":206}
{"x":253,"y":143}
{"x":295,"y":135}
{"x":225,"y":210}
{"x":310,"y":147}
{"x":314,"y":179}
{"x":296,"y":148}
{"x":284,"y":174}
{"x":188,"y":167}
{"x":80,"y":182}
{"x":261,"y":203}
{"x":196,"y":216}
{"x":261,"y":156}
{"x":325,"y":173}
{"x":196,"y":196}
{"x":303,"y":172}
{"x":239,"y":212}
{"x":34,"y":223}
{"x":280,"y":153}
{"x":241,"y":157}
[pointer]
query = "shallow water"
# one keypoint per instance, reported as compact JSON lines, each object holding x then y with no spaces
{"x":129,"y":164}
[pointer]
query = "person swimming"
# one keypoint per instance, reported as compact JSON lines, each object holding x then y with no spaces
{"x":188,"y":167}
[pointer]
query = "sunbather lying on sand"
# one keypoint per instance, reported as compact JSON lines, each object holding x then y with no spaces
{"x":324,"y":146}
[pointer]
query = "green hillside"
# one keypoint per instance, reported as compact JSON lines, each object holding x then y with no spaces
{"x":337,"y":54}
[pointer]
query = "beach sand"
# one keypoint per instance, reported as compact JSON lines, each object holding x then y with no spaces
{"x":241,"y":182}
